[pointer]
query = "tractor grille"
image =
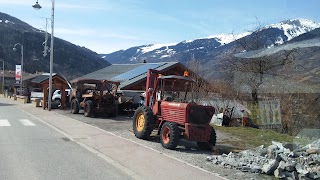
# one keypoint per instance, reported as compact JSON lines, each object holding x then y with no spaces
{"x":199,"y":114}
{"x":107,"y":99}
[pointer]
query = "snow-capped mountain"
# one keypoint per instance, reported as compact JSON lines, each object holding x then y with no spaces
{"x":224,"y":39}
{"x":169,"y":52}
{"x":207,"y":48}
{"x":295,"y":27}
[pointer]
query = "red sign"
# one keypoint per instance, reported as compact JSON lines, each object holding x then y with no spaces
{"x":18,"y":72}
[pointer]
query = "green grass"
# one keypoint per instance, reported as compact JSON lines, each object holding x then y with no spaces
{"x":251,"y":137}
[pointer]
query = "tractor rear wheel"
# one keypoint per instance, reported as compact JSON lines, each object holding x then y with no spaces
{"x":143,"y":122}
{"x":208,"y":145}
{"x":75,"y":106}
{"x":114,"y":112}
{"x":88,"y":109}
{"x":169,"y":135}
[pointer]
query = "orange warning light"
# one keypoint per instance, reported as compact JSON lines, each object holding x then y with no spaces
{"x":186,"y":73}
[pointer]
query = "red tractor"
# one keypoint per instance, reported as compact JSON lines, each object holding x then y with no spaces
{"x":170,"y":110}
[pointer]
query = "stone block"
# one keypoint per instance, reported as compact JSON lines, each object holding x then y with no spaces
{"x":278,"y":173}
{"x":313,"y":151}
{"x":270,"y":167}
{"x":271,"y":152}
{"x":292,"y":175}
{"x":22,"y":99}
{"x":36,"y":102}
{"x":290,"y":166}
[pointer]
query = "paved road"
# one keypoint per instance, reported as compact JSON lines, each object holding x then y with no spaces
{"x":30,"y":149}
{"x":79,"y":150}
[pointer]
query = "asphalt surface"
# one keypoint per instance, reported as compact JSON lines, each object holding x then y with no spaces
{"x":64,"y":146}
{"x":31,"y":150}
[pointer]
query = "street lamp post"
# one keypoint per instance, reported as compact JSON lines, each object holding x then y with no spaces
{"x":37,"y":7}
{"x":2,"y":76}
{"x":21,"y":80}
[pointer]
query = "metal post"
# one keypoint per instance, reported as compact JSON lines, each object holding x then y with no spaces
{"x":51,"y":56}
{"x":2,"y":76}
{"x":21,"y":86}
{"x":37,"y":6}
{"x":14,"y":48}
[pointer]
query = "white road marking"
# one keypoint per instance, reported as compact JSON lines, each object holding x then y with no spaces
{"x":4,"y":122}
{"x":26,"y":122}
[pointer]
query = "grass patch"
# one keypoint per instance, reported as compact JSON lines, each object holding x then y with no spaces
{"x":251,"y":137}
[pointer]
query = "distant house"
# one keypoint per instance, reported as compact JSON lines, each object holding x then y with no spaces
{"x":133,"y":76}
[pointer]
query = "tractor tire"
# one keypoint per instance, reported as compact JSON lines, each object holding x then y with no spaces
{"x":169,"y":135}
{"x":143,"y":122}
{"x":75,"y":106}
{"x":114,"y":112}
{"x":208,"y":146}
{"x":213,"y":137}
{"x":88,"y":109}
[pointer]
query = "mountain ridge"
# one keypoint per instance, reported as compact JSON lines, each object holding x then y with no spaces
{"x":184,"y":51}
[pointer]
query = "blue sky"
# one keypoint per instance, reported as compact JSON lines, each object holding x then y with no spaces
{"x":105,"y":26}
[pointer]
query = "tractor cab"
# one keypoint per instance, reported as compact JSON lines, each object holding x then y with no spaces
{"x":172,"y":88}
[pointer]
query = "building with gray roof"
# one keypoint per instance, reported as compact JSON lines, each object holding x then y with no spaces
{"x":133,"y":76}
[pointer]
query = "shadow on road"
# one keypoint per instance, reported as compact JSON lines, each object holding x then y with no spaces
{"x":120,"y":117}
{"x":189,"y":146}
{"x":5,"y":104}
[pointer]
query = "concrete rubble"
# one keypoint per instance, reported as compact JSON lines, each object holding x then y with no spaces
{"x":284,"y":161}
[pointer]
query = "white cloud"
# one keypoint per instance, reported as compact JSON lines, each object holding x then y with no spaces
{"x":86,"y":5}
{"x":81,"y":6}
{"x":94,"y":33}
{"x":104,"y":46}
{"x":98,"y":40}
{"x":120,"y":36}
{"x":17,"y":2}
{"x":78,"y":32}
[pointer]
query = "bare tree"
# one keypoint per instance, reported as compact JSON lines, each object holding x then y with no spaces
{"x":201,"y":87}
{"x":255,"y":69}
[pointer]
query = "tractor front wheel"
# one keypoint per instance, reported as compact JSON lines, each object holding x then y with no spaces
{"x":75,"y":106}
{"x":88,"y":109}
{"x":169,"y":135}
{"x":143,"y":122}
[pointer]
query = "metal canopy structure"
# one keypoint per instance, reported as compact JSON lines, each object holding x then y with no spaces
{"x":42,"y":81}
{"x":177,"y":77}
{"x":132,"y":76}
{"x":136,"y":72}
{"x":57,"y":82}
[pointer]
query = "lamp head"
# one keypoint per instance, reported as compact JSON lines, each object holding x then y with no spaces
{"x":37,"y":6}
{"x":14,"y":49}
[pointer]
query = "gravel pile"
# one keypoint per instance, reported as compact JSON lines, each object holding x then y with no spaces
{"x":284,"y":161}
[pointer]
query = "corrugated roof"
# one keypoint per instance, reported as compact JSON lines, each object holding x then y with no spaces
{"x":127,"y":73}
{"x":143,"y":75}
{"x":42,"y":77}
{"x":110,"y":71}
{"x":39,"y":79}
{"x":32,"y":76}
